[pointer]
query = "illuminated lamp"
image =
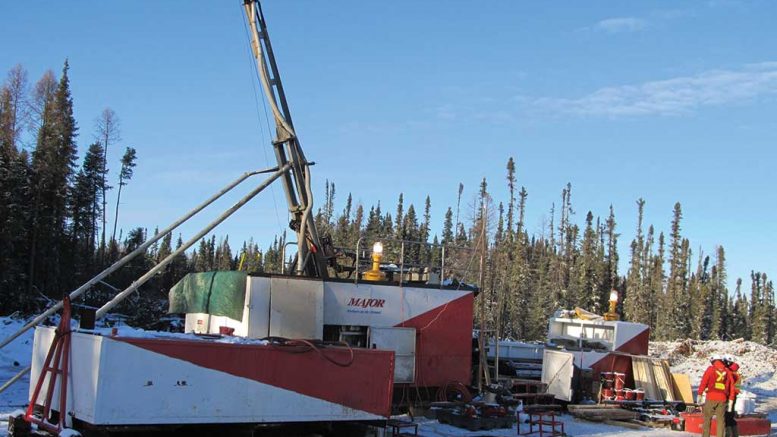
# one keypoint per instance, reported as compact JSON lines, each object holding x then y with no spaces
{"x":375,"y":274}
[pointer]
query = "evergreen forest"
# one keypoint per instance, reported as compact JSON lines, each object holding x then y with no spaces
{"x":54,"y":236}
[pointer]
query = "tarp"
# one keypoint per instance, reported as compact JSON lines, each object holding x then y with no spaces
{"x":216,"y":293}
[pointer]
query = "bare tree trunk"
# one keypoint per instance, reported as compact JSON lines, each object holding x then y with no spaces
{"x":107,"y":132}
{"x":482,"y":337}
{"x":116,"y":214}
{"x":105,"y":163}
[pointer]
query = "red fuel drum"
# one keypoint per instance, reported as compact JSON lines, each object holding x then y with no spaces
{"x":620,"y":380}
{"x":748,"y":425}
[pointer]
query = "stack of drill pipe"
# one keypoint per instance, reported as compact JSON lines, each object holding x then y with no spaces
{"x":599,"y":413}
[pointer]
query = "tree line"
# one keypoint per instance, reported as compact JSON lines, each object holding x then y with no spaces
{"x":55,"y":236}
{"x":527,"y":277}
{"x":53,"y":210}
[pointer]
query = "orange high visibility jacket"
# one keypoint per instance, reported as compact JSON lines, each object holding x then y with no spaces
{"x":718,"y":383}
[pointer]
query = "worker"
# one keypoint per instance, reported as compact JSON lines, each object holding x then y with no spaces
{"x":731,"y":423}
{"x":716,"y":395}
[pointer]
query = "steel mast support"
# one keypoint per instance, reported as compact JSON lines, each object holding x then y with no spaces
{"x":311,"y":259}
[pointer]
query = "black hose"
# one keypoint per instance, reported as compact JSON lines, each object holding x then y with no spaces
{"x":298,"y":346}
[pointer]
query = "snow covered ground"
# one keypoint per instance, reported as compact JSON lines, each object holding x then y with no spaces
{"x":13,"y":358}
{"x":572,"y":427}
{"x":758,"y":367}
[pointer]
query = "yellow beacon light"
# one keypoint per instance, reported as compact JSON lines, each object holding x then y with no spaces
{"x":611,"y":314}
{"x":375,"y":274}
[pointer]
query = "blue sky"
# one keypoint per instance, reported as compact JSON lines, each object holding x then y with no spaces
{"x":658,"y":99}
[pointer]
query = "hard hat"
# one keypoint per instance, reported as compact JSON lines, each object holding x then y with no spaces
{"x":715,"y":357}
{"x":728,"y":358}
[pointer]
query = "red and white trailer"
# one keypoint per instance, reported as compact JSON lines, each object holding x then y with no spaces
{"x":413,"y":335}
{"x":125,"y":379}
{"x":576,"y":344}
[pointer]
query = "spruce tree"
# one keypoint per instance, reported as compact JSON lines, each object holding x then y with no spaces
{"x":523,"y":195}
{"x":399,"y":219}
{"x":636,"y":302}
{"x":721,"y":312}
{"x":447,"y":229}
{"x":224,"y":255}
{"x":649,"y":296}
{"x":676,"y":323}
{"x":588,"y":283}
{"x":356,"y":227}
{"x":125,"y":174}
{"x":769,"y":309}
{"x":757,"y":311}
{"x":342,"y":230}
{"x":511,"y":202}
{"x":657,"y":278}
{"x":373,"y":230}
{"x":53,"y":163}
{"x":86,"y":209}
{"x":423,"y":233}
{"x":704,"y":296}
{"x":739,"y":315}
{"x":611,"y":280}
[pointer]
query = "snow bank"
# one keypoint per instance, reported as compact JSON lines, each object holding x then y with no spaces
{"x":758,"y":363}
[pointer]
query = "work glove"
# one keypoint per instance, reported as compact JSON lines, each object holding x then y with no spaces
{"x":730,"y":406}
{"x":702,"y":398}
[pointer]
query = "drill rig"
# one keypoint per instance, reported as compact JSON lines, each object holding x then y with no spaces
{"x":263,"y":348}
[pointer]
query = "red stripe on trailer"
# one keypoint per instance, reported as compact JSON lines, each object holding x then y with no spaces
{"x":444,"y":346}
{"x":366,"y":385}
{"x":637,"y":345}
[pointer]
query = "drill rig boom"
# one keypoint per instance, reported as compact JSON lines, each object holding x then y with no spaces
{"x":311,"y":259}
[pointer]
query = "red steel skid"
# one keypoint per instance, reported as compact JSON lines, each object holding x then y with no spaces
{"x":60,"y":353}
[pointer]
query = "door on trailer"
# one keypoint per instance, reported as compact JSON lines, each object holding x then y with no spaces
{"x":558,"y":369}
{"x":402,"y":342}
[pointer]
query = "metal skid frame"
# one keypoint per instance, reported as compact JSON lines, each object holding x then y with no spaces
{"x":542,"y":420}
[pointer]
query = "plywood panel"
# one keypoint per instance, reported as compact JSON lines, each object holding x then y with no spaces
{"x":644,"y":378}
{"x":663,"y":379}
{"x":682,"y":384}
